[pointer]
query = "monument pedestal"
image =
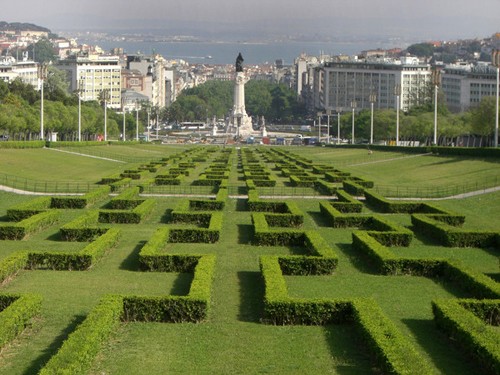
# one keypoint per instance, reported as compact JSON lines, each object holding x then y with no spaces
{"x":240,"y":122}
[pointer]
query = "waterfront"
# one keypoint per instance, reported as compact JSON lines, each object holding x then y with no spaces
{"x":254,"y":53}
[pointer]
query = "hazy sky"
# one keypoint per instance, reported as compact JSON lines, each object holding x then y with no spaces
{"x":439,"y":19}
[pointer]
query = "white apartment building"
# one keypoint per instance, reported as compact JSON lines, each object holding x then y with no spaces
{"x":93,"y":74}
{"x":26,"y":70}
{"x":153,"y":66}
{"x":465,"y":85}
{"x":339,"y":84}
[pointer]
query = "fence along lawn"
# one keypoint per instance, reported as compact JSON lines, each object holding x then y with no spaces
{"x":233,"y":339}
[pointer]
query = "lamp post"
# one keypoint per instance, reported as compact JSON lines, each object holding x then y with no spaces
{"x":373,"y":99}
{"x":123,"y":126}
{"x":339,"y":110}
{"x":435,"y":82}
{"x":353,"y":106}
{"x":42,"y":70}
{"x":328,"y":114}
{"x":105,"y":98}
{"x":319,"y":125}
{"x":136,"y":120}
{"x":157,"y":125}
{"x":397,"y":92}
{"x":496,"y":63}
{"x":148,"y":124}
{"x":496,"y":111}
{"x":79,"y":116}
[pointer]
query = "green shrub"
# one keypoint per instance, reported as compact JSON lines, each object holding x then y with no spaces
{"x":26,"y":227}
{"x":80,"y":261}
{"x":353,"y":188}
{"x":392,"y":351}
{"x":127,"y":199}
{"x":12,"y":264}
{"x":469,"y":332}
{"x":16,"y":313}
{"x":134,"y":216}
{"x":83,"y":228}
{"x":79,"y":202}
{"x":24,"y":210}
{"x":22,"y":144}
{"x":77,"y":353}
{"x":450,"y":235}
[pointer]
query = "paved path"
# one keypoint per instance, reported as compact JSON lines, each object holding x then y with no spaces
{"x":86,"y":155}
{"x":458,"y":196}
{"x":391,"y":159}
{"x":24,"y":192}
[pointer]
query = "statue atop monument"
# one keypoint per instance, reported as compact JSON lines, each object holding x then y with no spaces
{"x":239,"y":63}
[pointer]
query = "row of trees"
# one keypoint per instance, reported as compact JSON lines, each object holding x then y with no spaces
{"x":418,"y":124}
{"x":276,"y":102}
{"x":20,"y":113}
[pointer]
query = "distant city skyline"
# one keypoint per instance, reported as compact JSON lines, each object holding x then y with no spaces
{"x":420,"y":20}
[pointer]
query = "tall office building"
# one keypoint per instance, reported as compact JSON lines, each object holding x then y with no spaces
{"x":464,"y":86}
{"x":93,"y":74}
{"x":338,"y":84}
{"x":26,"y":70}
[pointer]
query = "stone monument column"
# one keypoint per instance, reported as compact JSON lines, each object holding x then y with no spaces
{"x":240,"y":121}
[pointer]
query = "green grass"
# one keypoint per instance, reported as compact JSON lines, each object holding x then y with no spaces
{"x":233,"y":340}
{"x":396,"y":174}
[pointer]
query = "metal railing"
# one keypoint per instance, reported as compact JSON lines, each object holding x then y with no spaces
{"x":437,"y":191}
{"x":60,"y":187}
{"x":28,"y":185}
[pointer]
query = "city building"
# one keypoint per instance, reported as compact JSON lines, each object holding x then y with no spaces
{"x":94,"y":76}
{"x":464,"y":85}
{"x":153,"y":66}
{"x":26,"y":70}
{"x":341,"y":84}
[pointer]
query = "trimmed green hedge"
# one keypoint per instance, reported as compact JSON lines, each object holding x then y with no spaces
{"x":325,"y":187}
{"x":22,"y":144}
{"x":191,"y":308}
{"x":26,"y":209}
{"x":134,"y":216}
{"x":127,"y":199}
{"x":353,"y":188}
{"x":16,"y":312}
{"x":26,"y":227}
{"x":489,"y":152}
{"x":380,"y":203}
{"x":469,"y":332}
{"x":390,"y":349}
{"x":209,"y":234}
{"x":216,"y":204}
{"x":448,"y":235}
{"x":77,"y":353}
{"x":12,"y":264}
{"x":81,"y":201}
{"x":480,"y":285}
{"x":83,"y":228}
{"x":77,"y":144}
{"x":120,"y":184}
{"x":80,"y":261}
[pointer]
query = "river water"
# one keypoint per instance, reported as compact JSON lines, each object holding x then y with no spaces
{"x":253,"y":53}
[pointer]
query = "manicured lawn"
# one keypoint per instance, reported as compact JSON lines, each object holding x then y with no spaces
{"x":234,"y":340}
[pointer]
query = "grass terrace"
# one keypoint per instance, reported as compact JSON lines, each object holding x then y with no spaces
{"x":354,"y":318}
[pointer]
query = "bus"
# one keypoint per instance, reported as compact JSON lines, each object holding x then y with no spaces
{"x":193,"y":125}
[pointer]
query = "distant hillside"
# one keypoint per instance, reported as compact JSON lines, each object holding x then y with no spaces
{"x":20,"y":26}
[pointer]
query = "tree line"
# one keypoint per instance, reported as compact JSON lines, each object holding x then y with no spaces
{"x":276,"y":102}
{"x":20,"y":113}
{"x":20,"y":109}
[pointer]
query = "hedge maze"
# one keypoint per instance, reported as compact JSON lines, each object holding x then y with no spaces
{"x":184,"y":235}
